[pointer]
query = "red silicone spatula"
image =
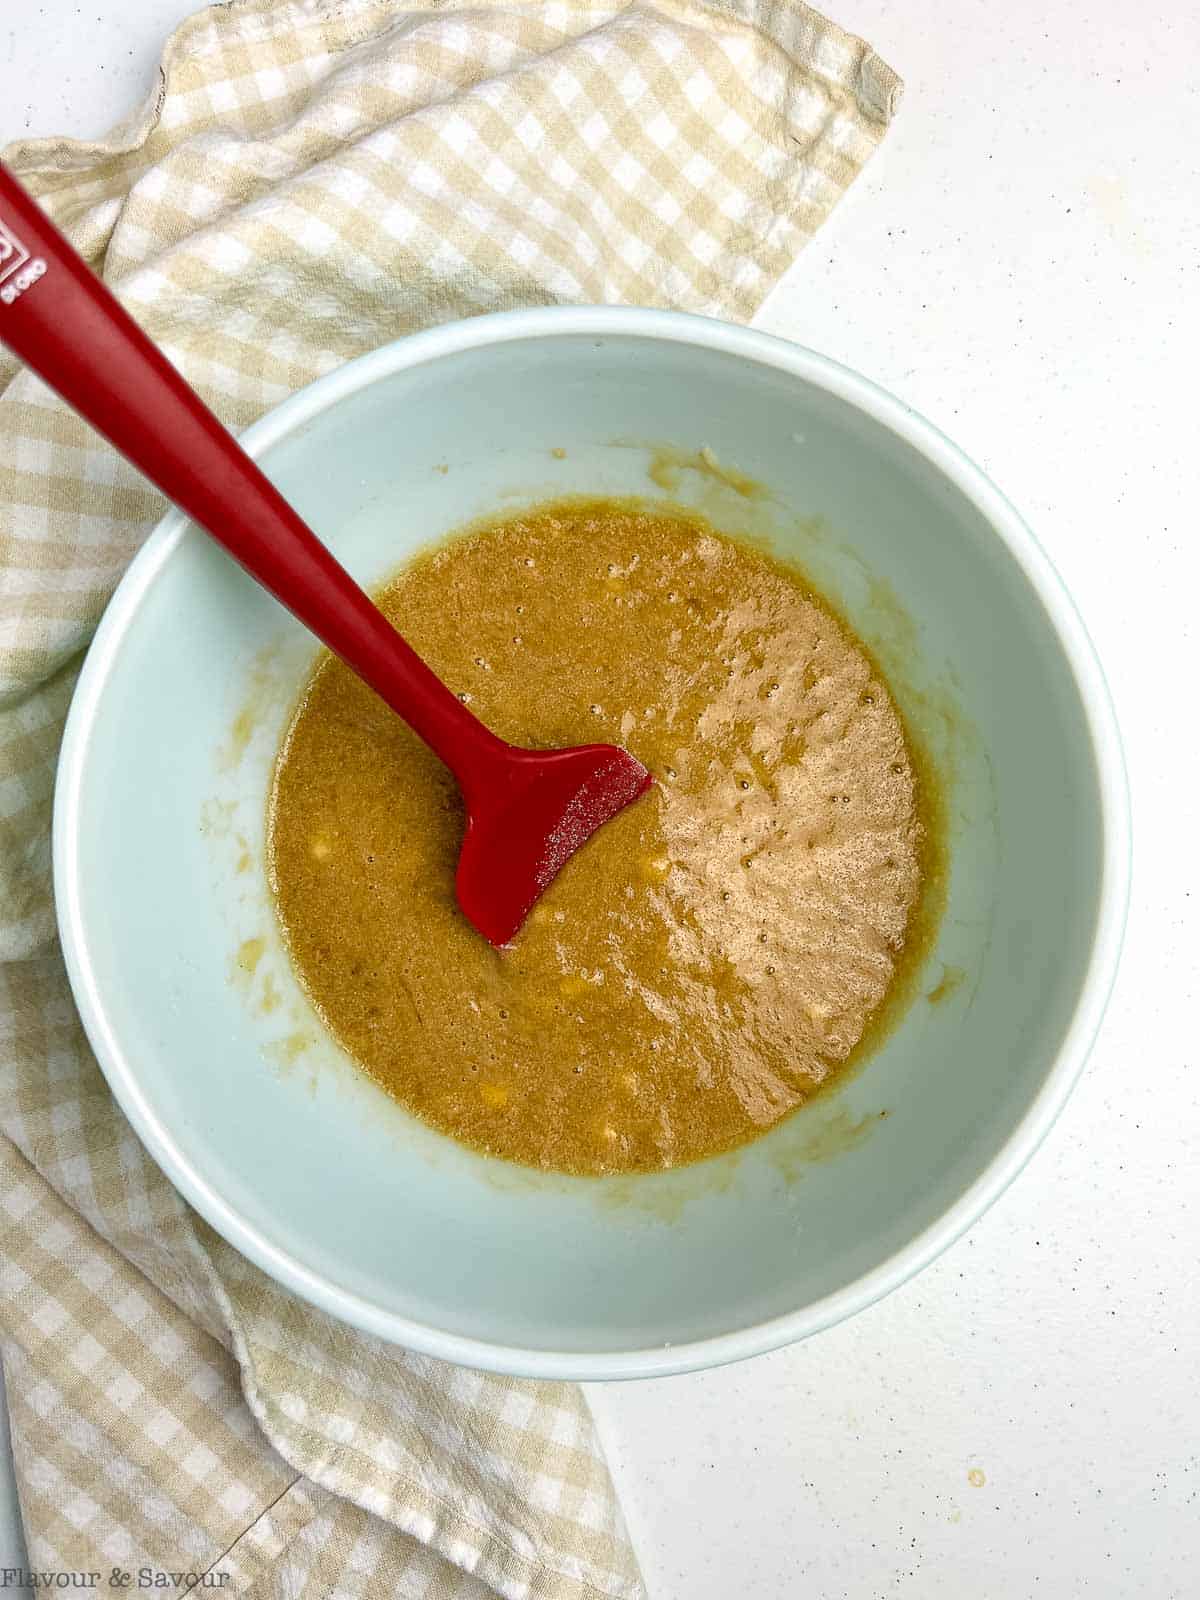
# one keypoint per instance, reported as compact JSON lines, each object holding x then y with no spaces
{"x":528,"y":811}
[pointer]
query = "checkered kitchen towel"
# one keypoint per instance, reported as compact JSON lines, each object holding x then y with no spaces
{"x":312,"y":179}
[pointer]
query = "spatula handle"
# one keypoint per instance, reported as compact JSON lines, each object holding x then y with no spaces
{"x":58,"y":317}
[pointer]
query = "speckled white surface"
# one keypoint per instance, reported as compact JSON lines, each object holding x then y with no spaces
{"x":1021,"y":263}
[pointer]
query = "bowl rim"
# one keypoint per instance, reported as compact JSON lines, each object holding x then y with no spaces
{"x":1007,"y":524}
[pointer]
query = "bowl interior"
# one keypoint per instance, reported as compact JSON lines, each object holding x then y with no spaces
{"x":281,"y":1142}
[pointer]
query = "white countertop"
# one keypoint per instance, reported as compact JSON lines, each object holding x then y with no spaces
{"x":1022,"y":264}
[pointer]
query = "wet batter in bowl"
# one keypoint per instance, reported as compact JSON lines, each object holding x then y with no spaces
{"x":713,"y":955}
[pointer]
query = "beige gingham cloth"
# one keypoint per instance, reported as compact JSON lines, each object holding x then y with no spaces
{"x":311,"y":180}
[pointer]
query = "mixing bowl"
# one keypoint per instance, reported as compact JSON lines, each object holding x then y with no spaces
{"x":282,"y":1144}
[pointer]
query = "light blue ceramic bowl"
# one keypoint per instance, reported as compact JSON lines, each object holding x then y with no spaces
{"x":288,"y":1151}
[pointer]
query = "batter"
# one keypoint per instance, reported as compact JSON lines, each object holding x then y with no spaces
{"x":714,"y":954}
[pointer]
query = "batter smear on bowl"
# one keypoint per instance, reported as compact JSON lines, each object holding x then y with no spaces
{"x":713,"y":955}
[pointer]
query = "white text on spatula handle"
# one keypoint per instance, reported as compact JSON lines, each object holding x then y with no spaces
{"x":17,"y":268}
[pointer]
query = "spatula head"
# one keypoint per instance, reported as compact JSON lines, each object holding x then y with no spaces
{"x":545,"y":804}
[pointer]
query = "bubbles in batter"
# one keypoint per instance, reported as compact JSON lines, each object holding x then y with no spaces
{"x":716,"y":952}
